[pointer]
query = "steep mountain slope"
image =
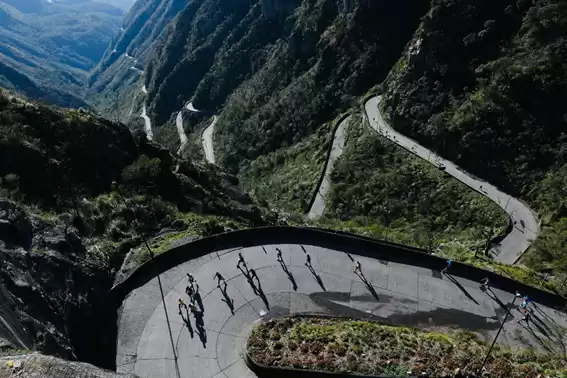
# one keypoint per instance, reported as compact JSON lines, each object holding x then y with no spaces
{"x":264,"y":65}
{"x":53,"y":44}
{"x":484,"y":85}
{"x":65,"y":230}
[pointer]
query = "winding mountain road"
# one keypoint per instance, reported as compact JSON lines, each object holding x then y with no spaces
{"x":148,"y":123}
{"x":207,"y":135}
{"x":180,"y":131}
{"x":526,"y":226}
{"x":318,"y":206}
{"x":155,"y":343}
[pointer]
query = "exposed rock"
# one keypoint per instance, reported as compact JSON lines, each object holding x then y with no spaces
{"x":35,"y":365}
{"x":61,"y":303}
{"x":15,"y":226}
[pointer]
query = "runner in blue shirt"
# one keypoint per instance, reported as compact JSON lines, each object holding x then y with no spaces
{"x":447,"y":266}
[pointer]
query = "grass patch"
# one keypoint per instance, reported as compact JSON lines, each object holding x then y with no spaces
{"x":288,"y":177}
{"x":361,"y":347}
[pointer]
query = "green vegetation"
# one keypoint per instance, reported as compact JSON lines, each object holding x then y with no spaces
{"x":361,"y":347}
{"x":380,"y":190}
{"x":46,"y":49}
{"x":76,"y":156}
{"x":288,"y":177}
{"x":494,"y":105}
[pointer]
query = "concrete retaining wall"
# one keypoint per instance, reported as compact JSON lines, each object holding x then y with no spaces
{"x":341,"y":241}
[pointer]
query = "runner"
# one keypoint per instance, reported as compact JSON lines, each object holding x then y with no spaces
{"x":279,"y":257}
{"x":189,"y":291}
{"x":240,"y":261}
{"x":308,"y":261}
{"x":190,"y":278}
{"x":357,"y":267}
{"x":485,"y":284}
{"x":447,"y":266}
{"x":181,"y":304}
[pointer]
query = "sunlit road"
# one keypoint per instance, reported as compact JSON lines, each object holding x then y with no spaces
{"x":526,"y":227}
{"x":318,"y":207}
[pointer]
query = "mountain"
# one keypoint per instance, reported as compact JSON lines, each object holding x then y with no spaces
{"x":484,"y":85}
{"x":479,"y":83}
{"x":67,"y":232}
{"x":47,"y":47}
{"x":297,"y":62}
{"x":125,"y":5}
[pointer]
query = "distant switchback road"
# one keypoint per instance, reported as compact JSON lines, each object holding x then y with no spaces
{"x":526,"y":226}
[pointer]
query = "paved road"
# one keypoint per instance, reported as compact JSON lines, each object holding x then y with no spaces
{"x":403,"y":294}
{"x":526,"y":226}
{"x":148,"y":123}
{"x":180,"y":131}
{"x":207,"y":139}
{"x":318,"y":207}
{"x":207,"y":135}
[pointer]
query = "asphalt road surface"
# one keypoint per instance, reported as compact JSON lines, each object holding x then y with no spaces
{"x":211,"y":345}
{"x":207,"y":139}
{"x":526,"y":226}
{"x":318,"y":207}
{"x":148,"y":124}
{"x":207,"y":135}
{"x":180,"y":131}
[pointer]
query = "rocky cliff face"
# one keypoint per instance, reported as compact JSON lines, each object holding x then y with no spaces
{"x":65,"y":230}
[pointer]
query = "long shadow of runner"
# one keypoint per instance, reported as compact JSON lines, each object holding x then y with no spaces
{"x":199,"y":301}
{"x":289,"y":275}
{"x":461,"y":287}
{"x":317,"y":277}
{"x":505,"y":307}
{"x":200,"y":325}
{"x":187,"y":321}
{"x":256,"y":289}
{"x":368,"y":285}
{"x":226,"y":299}
{"x":539,"y":340}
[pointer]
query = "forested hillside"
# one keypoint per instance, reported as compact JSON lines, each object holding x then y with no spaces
{"x":480,"y":83}
{"x":78,"y":193}
{"x":484,"y":84}
{"x":283,"y":66}
{"x":47,"y":48}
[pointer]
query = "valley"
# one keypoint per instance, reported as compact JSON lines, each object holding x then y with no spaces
{"x":411,"y":136}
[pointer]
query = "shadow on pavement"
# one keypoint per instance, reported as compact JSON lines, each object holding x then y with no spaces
{"x":317,"y":277}
{"x":461,"y":287}
{"x":368,"y":285}
{"x":199,"y":301}
{"x":200,"y":325}
{"x":289,"y":275}
{"x":187,"y":321}
{"x":256,"y":287}
{"x":226,"y":299}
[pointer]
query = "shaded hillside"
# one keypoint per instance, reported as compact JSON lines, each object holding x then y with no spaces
{"x":283,"y":66}
{"x":54,"y":44}
{"x":484,"y":84}
{"x":65,"y":229}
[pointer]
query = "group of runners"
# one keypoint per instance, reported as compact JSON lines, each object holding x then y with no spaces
{"x":485,"y":286}
{"x":192,"y":289}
